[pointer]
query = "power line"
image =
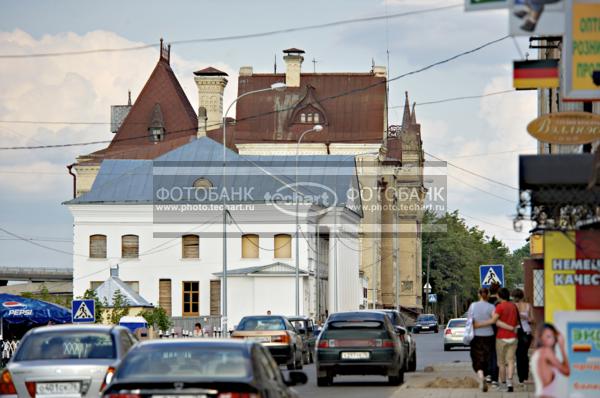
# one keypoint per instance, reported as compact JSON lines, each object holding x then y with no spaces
{"x":482,"y":190}
{"x":331,"y":97}
{"x":466,"y":97}
{"x":234,"y":37}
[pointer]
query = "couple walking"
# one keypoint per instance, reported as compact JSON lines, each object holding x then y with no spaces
{"x":502,"y":336}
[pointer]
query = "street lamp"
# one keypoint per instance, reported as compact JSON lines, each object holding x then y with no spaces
{"x":427,"y":290}
{"x":316,"y":128}
{"x":278,"y":86}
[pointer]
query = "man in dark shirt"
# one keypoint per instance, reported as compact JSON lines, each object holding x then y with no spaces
{"x":493,"y":370}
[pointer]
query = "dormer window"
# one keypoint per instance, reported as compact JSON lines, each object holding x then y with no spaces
{"x":308,"y":110}
{"x":156,"y":129}
{"x":303,"y":118}
{"x":311,"y":116}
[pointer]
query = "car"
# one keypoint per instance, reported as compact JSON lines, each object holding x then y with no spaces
{"x":277,"y":334}
{"x":454,"y":333}
{"x":409,"y":343}
{"x":307,"y":331}
{"x":426,"y":322}
{"x":359,"y":343}
{"x":207,"y":368}
{"x":65,"y":360}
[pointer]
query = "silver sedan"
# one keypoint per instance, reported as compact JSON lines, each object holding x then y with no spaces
{"x":64,"y":361}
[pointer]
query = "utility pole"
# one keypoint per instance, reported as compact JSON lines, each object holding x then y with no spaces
{"x":396,"y":262}
{"x":428,"y":286}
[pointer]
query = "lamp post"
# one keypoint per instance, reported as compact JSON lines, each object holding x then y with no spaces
{"x":277,"y":87}
{"x":316,"y":128}
{"x":427,"y":290}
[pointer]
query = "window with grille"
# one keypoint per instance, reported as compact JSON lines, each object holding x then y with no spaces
{"x":190,"y":246}
{"x":283,"y":246}
{"x":98,"y":246}
{"x":130,"y":246}
{"x":191,"y":299}
{"x":250,"y":246}
{"x":538,"y":287}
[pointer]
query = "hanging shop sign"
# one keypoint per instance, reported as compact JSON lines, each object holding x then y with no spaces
{"x":475,"y":5}
{"x":570,"y":128}
{"x":571,"y":271}
{"x":537,"y":18}
{"x":581,"y":54}
{"x":534,"y":74}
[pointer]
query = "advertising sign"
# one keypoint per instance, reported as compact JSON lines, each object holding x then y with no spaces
{"x":581,"y":54}
{"x":571,"y":271}
{"x":474,"y":5}
{"x":566,"y":128}
{"x":537,"y":17}
{"x":581,"y":330}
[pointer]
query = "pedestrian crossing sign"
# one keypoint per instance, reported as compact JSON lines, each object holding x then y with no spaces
{"x":83,"y":311}
{"x":489,"y":274}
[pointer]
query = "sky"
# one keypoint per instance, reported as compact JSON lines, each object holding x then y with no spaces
{"x":483,"y":135}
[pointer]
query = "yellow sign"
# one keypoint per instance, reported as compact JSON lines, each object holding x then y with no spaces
{"x":558,"y":297}
{"x":536,"y":245}
{"x":582,"y":50}
{"x":566,"y":128}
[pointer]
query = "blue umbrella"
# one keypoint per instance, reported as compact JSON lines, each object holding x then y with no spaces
{"x":21,"y":310}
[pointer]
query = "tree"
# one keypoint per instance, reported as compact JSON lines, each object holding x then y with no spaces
{"x":157,"y":317}
{"x":120,"y":307}
{"x":91,"y":294}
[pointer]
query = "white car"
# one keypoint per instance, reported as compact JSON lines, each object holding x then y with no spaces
{"x":66,"y":361}
{"x":454,"y":332}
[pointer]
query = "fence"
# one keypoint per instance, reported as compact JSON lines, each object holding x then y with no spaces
{"x":8,"y":348}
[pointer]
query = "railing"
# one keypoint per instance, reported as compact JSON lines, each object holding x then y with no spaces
{"x":8,"y":348}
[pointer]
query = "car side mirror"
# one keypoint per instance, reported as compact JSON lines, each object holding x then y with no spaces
{"x":296,"y":378}
{"x":400,"y":331}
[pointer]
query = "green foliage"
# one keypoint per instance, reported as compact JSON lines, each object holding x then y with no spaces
{"x":120,"y":307}
{"x":455,"y":257}
{"x":157,"y":317}
{"x":45,"y":295}
{"x":90,"y":294}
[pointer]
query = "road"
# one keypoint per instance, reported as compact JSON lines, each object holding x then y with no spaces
{"x":429,"y":351}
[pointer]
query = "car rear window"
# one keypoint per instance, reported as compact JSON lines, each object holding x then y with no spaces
{"x":426,"y":318}
{"x":53,"y":345}
{"x":184,"y":361}
{"x":261,"y":323}
{"x":457,"y":323}
{"x":355,"y":329}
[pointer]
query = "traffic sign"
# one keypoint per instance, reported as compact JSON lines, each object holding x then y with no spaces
{"x":489,"y":274}
{"x":432,"y":298}
{"x":83,"y":311}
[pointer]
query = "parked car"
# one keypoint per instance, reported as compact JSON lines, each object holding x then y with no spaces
{"x":454,"y":333}
{"x":408,"y":342}
{"x":306,"y":328}
{"x":359,"y":343}
{"x":426,"y":322}
{"x":201,"y":368}
{"x":69,"y":360}
{"x":277,"y":334}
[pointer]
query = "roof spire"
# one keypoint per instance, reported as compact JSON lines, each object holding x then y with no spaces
{"x":165,"y":51}
{"x":129,"y":97}
{"x":406,"y":117}
{"x":413,"y":115}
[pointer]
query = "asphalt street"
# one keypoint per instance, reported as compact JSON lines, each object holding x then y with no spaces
{"x":430,"y":350}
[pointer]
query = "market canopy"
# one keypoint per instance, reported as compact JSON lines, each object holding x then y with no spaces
{"x":21,"y":310}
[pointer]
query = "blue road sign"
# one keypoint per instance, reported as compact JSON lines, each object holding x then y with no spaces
{"x":83,"y":311}
{"x":432,"y":298}
{"x":489,"y":274}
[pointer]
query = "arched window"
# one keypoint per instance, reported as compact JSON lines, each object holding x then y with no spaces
{"x":303,"y":118}
{"x":97,"y":246}
{"x":190,"y":246}
{"x":316,"y":118}
{"x":250,"y":246}
{"x":130,"y":246}
{"x":283,"y":246}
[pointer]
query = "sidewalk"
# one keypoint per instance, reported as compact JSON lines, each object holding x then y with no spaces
{"x":452,"y":380}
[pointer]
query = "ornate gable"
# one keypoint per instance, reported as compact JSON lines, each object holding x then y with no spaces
{"x":308,"y":110}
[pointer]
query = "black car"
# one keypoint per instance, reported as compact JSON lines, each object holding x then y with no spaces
{"x":426,"y":323}
{"x":200,"y":368}
{"x":307,"y":330}
{"x":409,"y":343}
{"x":359,"y":343}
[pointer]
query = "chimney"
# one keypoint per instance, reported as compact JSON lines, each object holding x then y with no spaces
{"x":118,"y":113}
{"x":114,"y":271}
{"x":211,"y":84}
{"x":293,"y":64}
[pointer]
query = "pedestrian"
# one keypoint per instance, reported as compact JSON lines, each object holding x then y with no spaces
{"x":198,"y":330}
{"x":545,"y":364}
{"x":483,"y":338}
{"x":524,"y":334}
{"x":492,"y":376}
{"x":532,"y":13}
{"x":506,"y":317}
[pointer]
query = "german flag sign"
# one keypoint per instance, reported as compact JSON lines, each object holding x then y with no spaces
{"x":531,"y":75}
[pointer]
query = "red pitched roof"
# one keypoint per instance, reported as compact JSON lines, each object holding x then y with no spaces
{"x":357,"y":117}
{"x":132,"y":140}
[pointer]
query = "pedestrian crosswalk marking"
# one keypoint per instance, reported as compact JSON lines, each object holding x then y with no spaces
{"x":491,"y":277}
{"x":83,"y":312}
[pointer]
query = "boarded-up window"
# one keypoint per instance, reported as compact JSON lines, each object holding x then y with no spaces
{"x":134,"y":285}
{"x":164,"y":295}
{"x":283,"y":246}
{"x":215,"y":298}
{"x":130,"y":246}
{"x":191,"y":298}
{"x":250,"y":246}
{"x":97,"y":246}
{"x":190,"y":246}
{"x":95,"y":284}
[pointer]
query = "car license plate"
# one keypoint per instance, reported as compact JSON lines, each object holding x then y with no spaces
{"x":356,"y":355}
{"x":260,"y":339}
{"x":62,"y":388}
{"x":425,"y":327}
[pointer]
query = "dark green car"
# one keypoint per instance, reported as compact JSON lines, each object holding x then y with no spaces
{"x":359,"y":343}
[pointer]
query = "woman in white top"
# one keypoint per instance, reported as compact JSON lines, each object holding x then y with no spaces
{"x":525,"y":338}
{"x":545,"y":365}
{"x":484,"y":338}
